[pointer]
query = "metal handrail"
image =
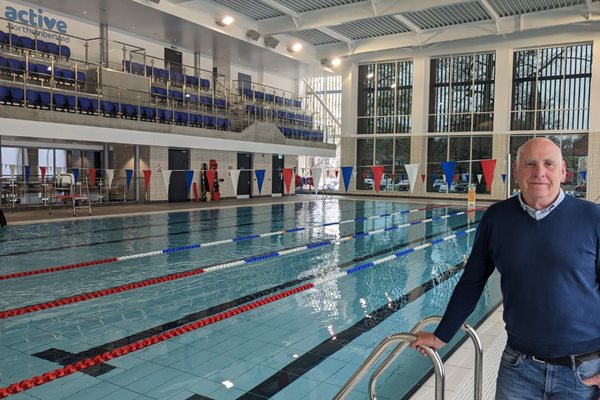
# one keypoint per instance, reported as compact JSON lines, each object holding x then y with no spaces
{"x":402,"y":338}
{"x":439,"y":370}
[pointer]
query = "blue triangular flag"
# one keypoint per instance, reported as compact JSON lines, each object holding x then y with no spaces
{"x":448,"y":168}
{"x":128,"y":173}
{"x":466,"y":177}
{"x":583,"y":174}
{"x":189,"y":175}
{"x":75,"y":175}
{"x":346,"y":174}
{"x":503,"y":178}
{"x":27,"y":170}
{"x":260,"y":178}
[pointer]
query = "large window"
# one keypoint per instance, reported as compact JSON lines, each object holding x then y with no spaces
{"x":390,"y":152}
{"x":385,"y":97}
{"x":466,"y":152}
{"x":461,"y":95}
{"x":551,"y":88}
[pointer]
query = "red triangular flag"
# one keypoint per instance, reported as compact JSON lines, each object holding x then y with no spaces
{"x":287,"y":178}
{"x":43,"y":172}
{"x":92,"y":172}
{"x":377,"y":174}
{"x":147,"y":174}
{"x":488,"y":167}
{"x":210,"y":176}
{"x":423,"y":177}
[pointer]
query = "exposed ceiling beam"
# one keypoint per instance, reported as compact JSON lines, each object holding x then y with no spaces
{"x":339,"y":37}
{"x":347,"y":13}
{"x":505,"y":26}
{"x":407,"y":23}
{"x":489,"y":9}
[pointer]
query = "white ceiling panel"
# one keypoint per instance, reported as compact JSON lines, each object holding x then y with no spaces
{"x":454,"y":14}
{"x":370,"y":27}
{"x":506,"y":8}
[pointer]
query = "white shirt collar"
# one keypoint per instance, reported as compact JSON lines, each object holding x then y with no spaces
{"x":539,"y":214}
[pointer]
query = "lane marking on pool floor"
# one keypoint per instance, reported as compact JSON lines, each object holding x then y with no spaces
{"x":69,"y":369}
{"x":197,"y":271}
{"x":109,"y":260}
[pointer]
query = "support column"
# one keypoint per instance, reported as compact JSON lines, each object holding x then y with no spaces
{"x":104,"y":45}
{"x":136,"y":171}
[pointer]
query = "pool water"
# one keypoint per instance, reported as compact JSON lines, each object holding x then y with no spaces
{"x":273,"y":325}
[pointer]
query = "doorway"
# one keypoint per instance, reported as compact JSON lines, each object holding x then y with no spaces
{"x":244,"y":163}
{"x":179,"y":161}
{"x":277,"y":174}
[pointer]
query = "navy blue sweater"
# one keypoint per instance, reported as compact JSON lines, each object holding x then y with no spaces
{"x":549,"y":272}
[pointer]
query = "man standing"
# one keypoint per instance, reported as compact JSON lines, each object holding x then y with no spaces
{"x":547,"y":249}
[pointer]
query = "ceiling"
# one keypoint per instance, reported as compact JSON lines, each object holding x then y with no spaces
{"x":327,"y":28}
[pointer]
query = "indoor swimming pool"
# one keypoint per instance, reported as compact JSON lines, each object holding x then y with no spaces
{"x":279,"y":301}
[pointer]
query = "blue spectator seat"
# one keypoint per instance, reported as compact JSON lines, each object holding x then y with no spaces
{"x":126,"y":66}
{"x":279,"y":100}
{"x":137,"y":68}
{"x":27,"y":43}
{"x":57,"y":72}
{"x":258,"y":95}
{"x":206,"y":101}
{"x":164,"y":116}
{"x":280,"y":114}
{"x":71,"y":102}
{"x":191,"y":98}
{"x":65,"y":52}
{"x":81,"y":78}
{"x":148,"y":71}
{"x":3,"y":37}
{"x":43,"y":71}
{"x":181,"y":117}
{"x":16,"y":67}
{"x":68,"y":76}
{"x":45,"y":100}
{"x":176,"y":76}
{"x":88,"y":105}
{"x":53,"y":49}
{"x":288,"y":102}
{"x":192,"y":80}
{"x":223,"y":123}
{"x":297,"y":103}
{"x":249,"y":93}
{"x":176,"y":95}
{"x":204,"y":83}
{"x":269,"y":97}
{"x":250,"y":108}
{"x":4,"y":94}
{"x":41,"y":46}
{"x":60,"y":102}
{"x":108,"y":108}
{"x":209,"y":121}
{"x":33,"y":98}
{"x":15,"y":40}
{"x":158,"y":92}
{"x":147,"y":113}
{"x":196,"y":119}
{"x":129,"y":111}
{"x":221,"y":103}
{"x":16,"y":95}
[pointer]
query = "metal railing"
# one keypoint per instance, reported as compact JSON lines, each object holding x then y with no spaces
{"x":403,"y":339}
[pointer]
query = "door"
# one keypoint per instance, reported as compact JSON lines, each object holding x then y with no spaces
{"x":277,"y":175}
{"x":179,"y":161}
{"x":244,"y":163}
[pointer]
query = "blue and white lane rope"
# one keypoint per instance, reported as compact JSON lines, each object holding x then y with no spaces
{"x":311,"y":246}
{"x":268,"y":234}
{"x":361,"y":267}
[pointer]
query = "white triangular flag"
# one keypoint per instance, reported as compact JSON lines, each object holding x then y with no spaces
{"x":316,"y":174}
{"x":12,"y":172}
{"x":166,"y":174}
{"x":58,"y":172}
{"x":479,"y":177}
{"x":412,"y":170}
{"x":235,"y":177}
{"x":110,"y":174}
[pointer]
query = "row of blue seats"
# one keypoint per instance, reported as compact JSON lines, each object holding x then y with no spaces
{"x":59,"y":101}
{"x":43,"y":71}
{"x":261,"y":112}
{"x":28,"y":43}
{"x":301,"y":134}
{"x":190,"y":98}
{"x":162,"y":74}
{"x":258,"y":95}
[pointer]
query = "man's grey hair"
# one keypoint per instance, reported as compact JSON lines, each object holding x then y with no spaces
{"x":519,"y":151}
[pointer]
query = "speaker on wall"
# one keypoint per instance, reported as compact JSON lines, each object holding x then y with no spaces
{"x":271,"y":42}
{"x":252,"y":34}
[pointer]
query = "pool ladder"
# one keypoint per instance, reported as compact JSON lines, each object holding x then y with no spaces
{"x":403,"y":339}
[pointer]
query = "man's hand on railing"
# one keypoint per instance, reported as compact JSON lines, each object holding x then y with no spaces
{"x":426,"y":339}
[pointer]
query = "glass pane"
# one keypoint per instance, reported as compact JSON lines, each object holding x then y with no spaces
{"x":384,"y":156}
{"x":482,"y":150}
{"x":365,"y":125}
{"x":386,"y":85}
{"x":366,"y":90}
{"x":437,"y":151}
{"x":364,"y":161}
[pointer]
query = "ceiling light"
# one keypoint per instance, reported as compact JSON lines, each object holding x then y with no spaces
{"x":294,"y":47}
{"x":228,"y":384}
{"x":225,"y":21}
{"x":328,"y":64}
{"x":336,"y":62}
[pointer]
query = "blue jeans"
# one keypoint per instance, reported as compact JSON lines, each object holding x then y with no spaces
{"x":522,"y":378}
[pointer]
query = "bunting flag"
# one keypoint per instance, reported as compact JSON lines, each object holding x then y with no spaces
{"x":448,"y":168}
{"x":210,"y":177}
{"x":166,"y":174}
{"x":503,"y":178}
{"x":479,"y":178}
{"x":110,"y":174}
{"x":92,"y":174}
{"x":455,"y":180}
{"x":75,"y":175}
{"x":583,"y":174}
{"x":346,"y":175}
{"x":27,"y":172}
{"x":412,"y":170}
{"x":235,"y":177}
{"x":423,"y":177}
{"x":147,"y":174}
{"x":129,"y":175}
{"x":488,"y":167}
{"x":12,"y":171}
{"x":43,"y":173}
{"x":316,"y":174}
{"x":337,"y":173}
{"x":189,"y":177}
{"x":260,"y":178}
{"x":377,"y":175}
{"x":287,"y":178}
